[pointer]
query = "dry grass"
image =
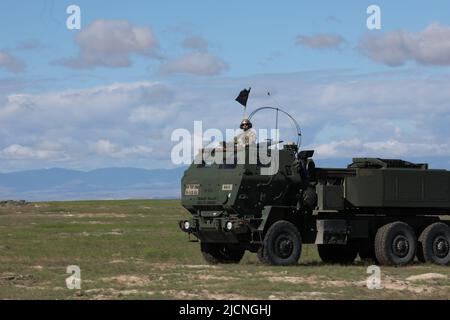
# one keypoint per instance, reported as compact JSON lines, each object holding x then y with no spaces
{"x":134,"y":250}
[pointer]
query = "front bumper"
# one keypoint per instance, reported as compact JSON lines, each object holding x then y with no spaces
{"x":217,"y":230}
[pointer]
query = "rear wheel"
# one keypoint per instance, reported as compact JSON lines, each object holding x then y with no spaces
{"x":434,"y":244}
{"x":337,"y":254}
{"x":215,"y":253}
{"x":395,"y":244}
{"x":282,"y":245}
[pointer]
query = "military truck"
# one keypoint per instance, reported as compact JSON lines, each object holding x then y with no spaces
{"x":386,"y":210}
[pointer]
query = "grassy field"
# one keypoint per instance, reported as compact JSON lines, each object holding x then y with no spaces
{"x":134,"y":250}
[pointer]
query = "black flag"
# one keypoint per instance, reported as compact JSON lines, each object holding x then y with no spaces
{"x":243,"y":97}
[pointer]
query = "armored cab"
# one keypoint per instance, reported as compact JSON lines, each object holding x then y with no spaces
{"x":227,"y":193}
{"x":231,"y":188}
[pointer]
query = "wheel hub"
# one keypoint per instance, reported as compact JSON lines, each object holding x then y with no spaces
{"x":441,"y":247}
{"x":400,"y":246}
{"x":284,"y":247}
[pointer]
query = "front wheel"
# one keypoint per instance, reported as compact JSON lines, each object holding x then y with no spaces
{"x":282,"y":245}
{"x":215,"y":253}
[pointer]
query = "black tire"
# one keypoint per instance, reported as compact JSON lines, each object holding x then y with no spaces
{"x":395,"y":244}
{"x":260,"y":256}
{"x":282,"y":245}
{"x":419,"y":253}
{"x":434,"y":244}
{"x":215,"y":253}
{"x":337,"y":254}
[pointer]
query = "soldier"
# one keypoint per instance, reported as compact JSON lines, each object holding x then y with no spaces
{"x":247,"y":136}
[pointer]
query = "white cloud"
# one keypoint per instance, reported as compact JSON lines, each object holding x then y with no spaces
{"x":110,"y":43}
{"x":196,"y":43}
{"x":430,"y":46}
{"x":8,"y":85}
{"x":11,"y":63}
{"x":106,"y":147}
{"x":391,"y":148}
{"x":104,"y":104}
{"x":91,"y":126}
{"x":320,"y":41}
{"x":30,"y":44}
{"x":130,"y":124}
{"x":197,"y":63}
{"x":137,"y":151}
{"x":149,"y":114}
{"x":19,"y":152}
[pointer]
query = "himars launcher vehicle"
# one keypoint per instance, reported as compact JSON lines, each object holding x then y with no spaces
{"x":381,"y":209}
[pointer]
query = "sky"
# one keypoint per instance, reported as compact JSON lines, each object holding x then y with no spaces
{"x":111,"y":93}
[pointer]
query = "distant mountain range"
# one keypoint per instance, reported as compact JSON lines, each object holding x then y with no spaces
{"x":122,"y":183}
{"x":110,"y":183}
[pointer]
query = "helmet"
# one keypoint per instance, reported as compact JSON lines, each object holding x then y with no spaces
{"x":244,"y":122}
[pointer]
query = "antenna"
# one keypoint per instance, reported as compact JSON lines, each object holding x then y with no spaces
{"x":277,"y":111}
{"x":274,"y":100}
{"x":294,"y":122}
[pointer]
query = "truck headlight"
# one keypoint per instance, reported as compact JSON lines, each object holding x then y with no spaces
{"x":186,"y":225}
{"x":229,"y":225}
